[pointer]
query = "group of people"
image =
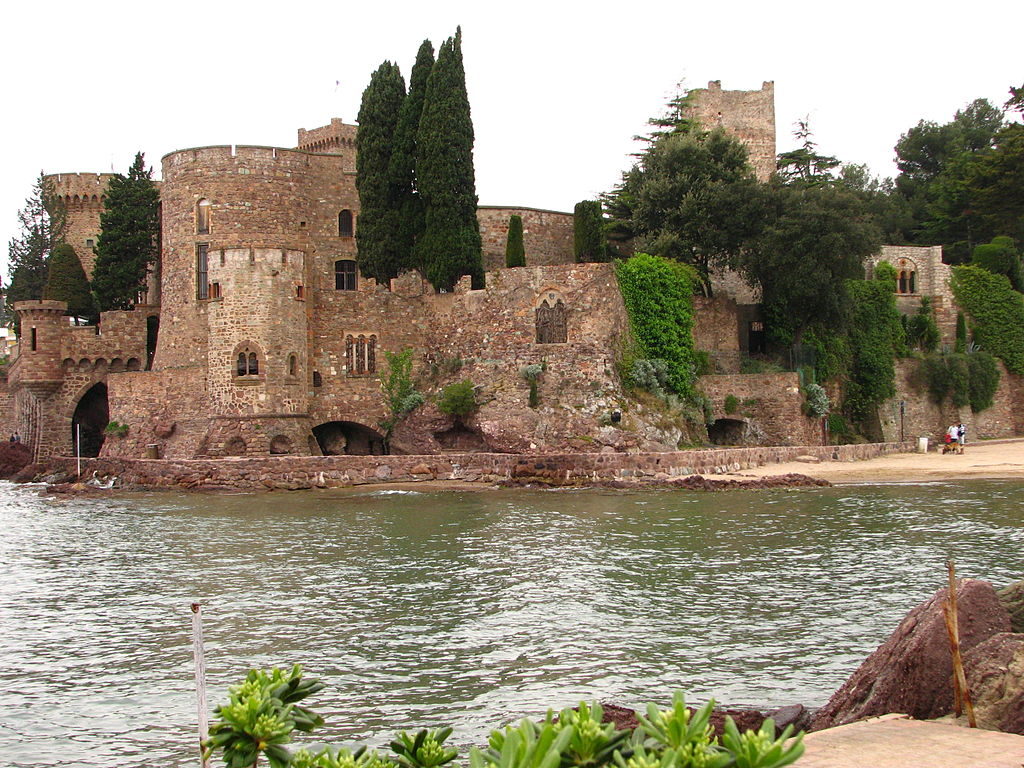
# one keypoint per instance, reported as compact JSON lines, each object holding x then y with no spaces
{"x":956,"y":436}
{"x":15,"y":438}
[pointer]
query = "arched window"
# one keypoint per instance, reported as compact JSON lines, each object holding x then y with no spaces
{"x":254,"y":364}
{"x":345,"y":228}
{"x":293,"y":365}
{"x":242,"y":368}
{"x":203,"y":217}
{"x":551,"y":323}
{"x":361,"y":354}
{"x":345,"y":275}
{"x":913,"y":282}
{"x":247,"y":360}
{"x":901,"y":286}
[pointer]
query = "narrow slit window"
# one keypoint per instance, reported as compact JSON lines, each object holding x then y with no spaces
{"x":202,"y":271}
{"x":203,"y":217}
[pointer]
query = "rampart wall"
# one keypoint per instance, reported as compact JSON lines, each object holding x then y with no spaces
{"x":749,"y":115}
{"x":547,"y":235}
{"x":770,"y":403}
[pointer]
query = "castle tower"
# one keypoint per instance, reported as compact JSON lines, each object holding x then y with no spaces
{"x":338,"y":138}
{"x":236,"y":247}
{"x":748,"y":115}
{"x":82,"y":195}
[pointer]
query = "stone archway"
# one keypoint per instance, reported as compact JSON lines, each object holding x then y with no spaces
{"x":92,"y":414}
{"x":340,"y":438}
{"x":728,"y":432}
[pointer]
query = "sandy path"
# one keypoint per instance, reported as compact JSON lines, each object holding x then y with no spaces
{"x":996,"y":459}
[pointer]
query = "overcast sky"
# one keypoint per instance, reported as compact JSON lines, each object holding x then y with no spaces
{"x":557,"y":89}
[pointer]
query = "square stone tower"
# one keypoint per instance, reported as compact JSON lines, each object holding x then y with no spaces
{"x":748,"y":115}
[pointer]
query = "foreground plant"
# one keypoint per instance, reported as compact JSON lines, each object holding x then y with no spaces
{"x":262,"y":713}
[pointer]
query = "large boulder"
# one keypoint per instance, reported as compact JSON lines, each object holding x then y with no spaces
{"x":995,"y":678}
{"x":1012,"y":598}
{"x":912,"y":671}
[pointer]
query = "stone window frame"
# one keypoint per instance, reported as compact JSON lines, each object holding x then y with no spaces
{"x":202,"y":216}
{"x":346,"y":223}
{"x":202,"y":271}
{"x":906,"y":277}
{"x":547,"y":308}
{"x":346,"y":278}
{"x":248,"y":356}
{"x":292,"y":366}
{"x":361,"y":354}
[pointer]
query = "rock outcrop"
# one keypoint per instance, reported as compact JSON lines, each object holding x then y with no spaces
{"x":995,"y":678}
{"x":911,"y":672}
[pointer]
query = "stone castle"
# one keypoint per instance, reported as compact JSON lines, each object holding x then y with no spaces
{"x":258,"y":336}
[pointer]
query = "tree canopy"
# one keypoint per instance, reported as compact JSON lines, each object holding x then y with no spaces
{"x":127,"y":244}
{"x":66,"y":281}
{"x":42,"y":223}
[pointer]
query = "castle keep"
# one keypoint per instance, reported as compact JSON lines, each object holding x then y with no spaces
{"x":258,"y":336}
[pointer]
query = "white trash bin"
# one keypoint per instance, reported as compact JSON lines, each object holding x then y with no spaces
{"x":922,"y":445}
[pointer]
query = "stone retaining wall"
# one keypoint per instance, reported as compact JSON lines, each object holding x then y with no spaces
{"x":297,"y":472}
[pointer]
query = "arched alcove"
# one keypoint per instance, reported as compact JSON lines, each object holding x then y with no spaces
{"x":338,"y":438}
{"x":727,"y":432}
{"x":92,"y":414}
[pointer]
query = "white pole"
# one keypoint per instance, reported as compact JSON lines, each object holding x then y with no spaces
{"x":197,"y":650}
{"x":78,"y":447}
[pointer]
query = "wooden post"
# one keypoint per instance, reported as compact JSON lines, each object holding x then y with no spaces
{"x":961,"y":695}
{"x":197,"y":651}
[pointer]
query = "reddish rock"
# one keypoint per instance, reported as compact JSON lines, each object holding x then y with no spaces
{"x":623,"y":717}
{"x":13,"y":458}
{"x":995,"y":678}
{"x":1012,"y":598}
{"x":164,"y":429}
{"x":911,"y":672}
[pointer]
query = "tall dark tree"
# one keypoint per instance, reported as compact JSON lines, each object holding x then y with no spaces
{"x":806,"y":165}
{"x":402,"y":169}
{"x":515,"y":252}
{"x":588,"y":231}
{"x":380,"y":254}
{"x":129,"y":232}
{"x":66,"y":281}
{"x":42,"y":224}
{"x":450,"y":245}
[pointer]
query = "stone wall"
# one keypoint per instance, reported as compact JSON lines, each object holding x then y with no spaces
{"x":297,"y":472}
{"x":922,"y":417}
{"x":547,"y":235}
{"x":770,"y":405}
{"x":83,"y":195}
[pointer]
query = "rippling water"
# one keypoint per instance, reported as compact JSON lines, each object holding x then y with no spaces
{"x":469,"y":609}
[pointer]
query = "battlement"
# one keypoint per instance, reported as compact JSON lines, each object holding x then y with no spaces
{"x":336,"y":138}
{"x":40,"y":307}
{"x":748,"y":115}
{"x":238,"y":154}
{"x":80,"y":186}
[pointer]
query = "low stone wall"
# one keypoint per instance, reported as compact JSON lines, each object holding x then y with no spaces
{"x":297,"y":472}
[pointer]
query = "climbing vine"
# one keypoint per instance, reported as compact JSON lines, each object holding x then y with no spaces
{"x":996,"y":311}
{"x":876,"y":338}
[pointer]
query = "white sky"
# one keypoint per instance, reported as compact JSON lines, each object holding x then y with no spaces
{"x":558,"y":89}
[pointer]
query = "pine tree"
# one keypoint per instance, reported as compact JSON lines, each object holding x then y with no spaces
{"x":588,"y":231}
{"x":43,"y":222}
{"x":515,"y":253}
{"x":402,"y":171}
{"x":66,"y":281}
{"x":380,"y":255}
{"x":450,"y":245}
{"x":127,"y":245}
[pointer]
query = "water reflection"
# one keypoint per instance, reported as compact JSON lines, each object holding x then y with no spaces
{"x":421,"y":609}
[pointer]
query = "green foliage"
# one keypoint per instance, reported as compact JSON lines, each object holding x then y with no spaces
{"x":588,"y":231}
{"x":397,"y":386}
{"x":116,"y":429}
{"x":42,"y":223}
{"x":340,"y":758}
{"x":961,"y":333}
{"x":997,"y":312}
{"x":837,"y":425}
{"x":692,"y":197}
{"x":805,"y":166}
{"x":380,"y":199}
{"x":649,"y":375}
{"x":876,"y":337}
{"x":817,"y":238}
{"x":886,"y":271}
{"x":260,"y":716}
{"x":967,"y":379}
{"x":450,"y":244}
{"x":921,"y":330}
{"x":658,"y":295}
{"x":66,"y":281}
{"x":129,"y":232}
{"x":1000,"y":257}
{"x":515,"y":251}
{"x":731,"y":404}
{"x":403,"y":188}
{"x":816,"y":402}
{"x":458,"y":399}
{"x":424,"y":749}
{"x":832,"y":356}
{"x":532,"y":374}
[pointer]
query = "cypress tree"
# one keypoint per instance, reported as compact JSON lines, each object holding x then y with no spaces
{"x":588,"y":231}
{"x":42,"y":221}
{"x":378,"y":234}
{"x":402,"y":170}
{"x":66,"y":281}
{"x":515,"y":253}
{"x":450,"y":245}
{"x":127,"y":245}
{"x":961,"y":333}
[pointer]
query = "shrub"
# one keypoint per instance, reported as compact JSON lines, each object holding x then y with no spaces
{"x":967,"y":379}
{"x":458,"y":399}
{"x":397,"y":388}
{"x":997,"y":311}
{"x":876,"y":337}
{"x":649,"y":375}
{"x":515,"y":253}
{"x":921,"y":330}
{"x":983,"y":372}
{"x":886,"y":272}
{"x":588,"y":231}
{"x":731,"y":404}
{"x":816,"y":403}
{"x":961,"y":333}
{"x":116,"y":429}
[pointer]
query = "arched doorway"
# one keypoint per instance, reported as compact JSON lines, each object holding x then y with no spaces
{"x":339,"y":438}
{"x":728,"y":432}
{"x":91,"y":414}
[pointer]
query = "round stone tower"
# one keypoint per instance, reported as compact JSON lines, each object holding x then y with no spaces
{"x":39,"y":361}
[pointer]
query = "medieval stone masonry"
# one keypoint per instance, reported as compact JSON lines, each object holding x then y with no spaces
{"x":259,"y":337}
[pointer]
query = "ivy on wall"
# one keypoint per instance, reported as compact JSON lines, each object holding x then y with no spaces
{"x":658,"y":294}
{"x":876,"y":338}
{"x":996,"y":312}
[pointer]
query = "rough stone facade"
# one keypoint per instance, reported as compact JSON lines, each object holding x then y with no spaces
{"x":766,"y":408}
{"x":750,"y":115}
{"x":547,"y":235}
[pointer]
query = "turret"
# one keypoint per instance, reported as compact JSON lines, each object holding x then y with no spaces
{"x":39,"y":360}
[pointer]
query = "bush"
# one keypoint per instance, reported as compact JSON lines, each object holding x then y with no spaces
{"x":458,"y":399}
{"x":397,"y":388}
{"x":262,"y":714}
{"x":921,"y":330}
{"x":116,"y":429}
{"x":876,"y":338}
{"x":984,"y":380}
{"x":816,"y":403}
{"x":997,"y":311}
{"x":515,"y":253}
{"x":731,"y":404}
{"x":967,"y":379}
{"x":649,"y":375}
